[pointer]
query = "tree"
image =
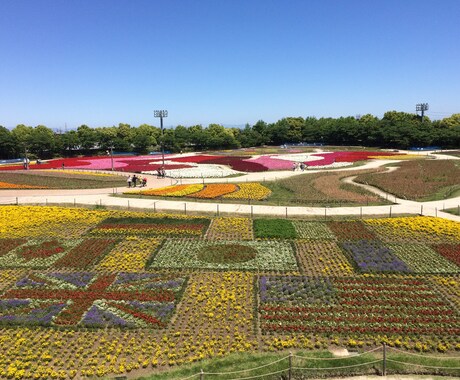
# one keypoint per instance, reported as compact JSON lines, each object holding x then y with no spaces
{"x":143,"y":138}
{"x":68,"y":141}
{"x":87,"y":137}
{"x":7,"y":143}
{"x":451,"y":121}
{"x":181,"y":136}
{"x":42,"y":141}
{"x":22,"y":135}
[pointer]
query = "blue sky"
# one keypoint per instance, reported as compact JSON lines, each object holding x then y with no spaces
{"x":224,"y":61}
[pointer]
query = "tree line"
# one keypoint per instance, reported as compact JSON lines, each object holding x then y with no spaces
{"x":394,"y":130}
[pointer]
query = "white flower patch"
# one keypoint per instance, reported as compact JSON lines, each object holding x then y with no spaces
{"x":199,"y":171}
{"x":330,"y":166}
{"x":298,"y":157}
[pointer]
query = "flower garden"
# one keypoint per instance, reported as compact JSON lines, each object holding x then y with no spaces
{"x":210,"y":165}
{"x":104,"y":293}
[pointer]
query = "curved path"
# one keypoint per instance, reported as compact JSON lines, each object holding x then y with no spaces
{"x":104,"y":197}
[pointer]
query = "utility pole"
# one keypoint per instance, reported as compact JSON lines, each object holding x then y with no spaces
{"x":422,"y":107}
{"x":161,"y":114}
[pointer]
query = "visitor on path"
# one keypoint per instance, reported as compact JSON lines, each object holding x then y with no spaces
{"x":144,"y":181}
{"x":129,"y":180}
{"x":134,"y":180}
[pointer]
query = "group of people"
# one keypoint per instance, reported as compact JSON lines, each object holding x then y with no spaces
{"x":134,"y":180}
{"x":299,"y":166}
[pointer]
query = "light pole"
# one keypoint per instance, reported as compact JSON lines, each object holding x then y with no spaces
{"x":422,"y":107}
{"x":161,"y":114}
{"x":111,"y":155}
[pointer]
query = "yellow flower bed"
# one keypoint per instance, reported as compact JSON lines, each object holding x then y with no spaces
{"x":230,"y":229}
{"x":32,"y":221}
{"x":170,"y":191}
{"x":423,"y":228}
{"x":8,"y":276}
{"x":254,"y":191}
{"x":79,"y":172}
{"x":130,"y":255}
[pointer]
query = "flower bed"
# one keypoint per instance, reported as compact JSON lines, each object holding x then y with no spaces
{"x":214,"y":190}
{"x":269,"y":255}
{"x":351,"y":230}
{"x":376,"y":305}
{"x":312,"y":230}
{"x":130,"y":255}
{"x":322,"y":258}
{"x":230,"y":229}
{"x":91,"y":300}
{"x":152,"y":227}
{"x":215,"y":292}
{"x":274,"y":229}
{"x":254,"y":191}
{"x":422,"y":259}
{"x":373,"y":256}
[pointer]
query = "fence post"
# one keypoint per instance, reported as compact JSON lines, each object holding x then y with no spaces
{"x":361,"y":212}
{"x":286,"y":213}
{"x":436,"y":212}
{"x":185,"y":208}
{"x":421,"y":210}
{"x":217,"y":209}
{"x":128,"y":204}
{"x":390,"y":211}
{"x":17,"y":202}
{"x":155,"y":206}
{"x":46,"y":201}
{"x":252,"y":212}
{"x":290,"y":366}
{"x":325,"y":213}
{"x":384,"y":363}
{"x":201,"y":374}
{"x":74,"y":202}
{"x":458,"y":210}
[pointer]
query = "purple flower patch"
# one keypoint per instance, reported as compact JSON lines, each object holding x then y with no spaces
{"x":372,"y":256}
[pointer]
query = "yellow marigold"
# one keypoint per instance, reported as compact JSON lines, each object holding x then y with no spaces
{"x":254,"y":191}
{"x":171,"y":191}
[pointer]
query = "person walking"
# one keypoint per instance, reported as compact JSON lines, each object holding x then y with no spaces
{"x":134,"y":180}
{"x":129,"y":180}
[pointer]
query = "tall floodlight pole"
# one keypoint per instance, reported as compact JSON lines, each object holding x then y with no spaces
{"x":111,"y":155}
{"x":161,"y":114}
{"x":422,"y":107}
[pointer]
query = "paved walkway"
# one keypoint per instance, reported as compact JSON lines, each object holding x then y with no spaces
{"x":104,"y":197}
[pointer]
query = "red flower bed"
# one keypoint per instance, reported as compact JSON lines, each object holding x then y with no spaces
{"x":7,"y":245}
{"x":85,"y":254}
{"x":449,"y":251}
{"x":43,"y":250}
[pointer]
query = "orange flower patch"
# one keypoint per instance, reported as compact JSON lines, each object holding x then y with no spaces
{"x":214,"y":190}
{"x":6,"y":185}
